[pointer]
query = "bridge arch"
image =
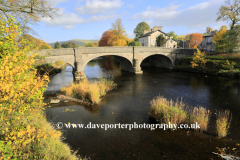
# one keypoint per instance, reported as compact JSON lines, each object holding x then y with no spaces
{"x":126,"y":63}
{"x":70,"y":59}
{"x":157,"y":60}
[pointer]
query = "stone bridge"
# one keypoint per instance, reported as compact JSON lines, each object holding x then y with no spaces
{"x":130,"y":58}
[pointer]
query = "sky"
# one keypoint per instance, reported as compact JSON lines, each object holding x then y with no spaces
{"x":89,"y":19}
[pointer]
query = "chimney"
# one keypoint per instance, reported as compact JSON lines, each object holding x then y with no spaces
{"x":171,"y":37}
{"x":146,"y":31}
{"x":157,"y":28}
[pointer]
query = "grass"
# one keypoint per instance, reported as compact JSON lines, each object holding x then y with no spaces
{"x":201,"y":116}
{"x":166,"y":111}
{"x":223,"y":123}
{"x":90,"y":91}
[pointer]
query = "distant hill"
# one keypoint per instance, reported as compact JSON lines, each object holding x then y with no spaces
{"x":79,"y":42}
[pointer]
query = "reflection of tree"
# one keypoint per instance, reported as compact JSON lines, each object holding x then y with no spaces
{"x":92,"y":108}
{"x":196,"y":82}
{"x":108,"y":64}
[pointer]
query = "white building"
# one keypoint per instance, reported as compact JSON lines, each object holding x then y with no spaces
{"x":149,"y":38}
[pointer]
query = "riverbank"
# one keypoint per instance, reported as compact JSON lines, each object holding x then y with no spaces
{"x":227,"y":65}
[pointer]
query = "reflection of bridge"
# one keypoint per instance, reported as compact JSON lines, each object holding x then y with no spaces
{"x":130,"y":57}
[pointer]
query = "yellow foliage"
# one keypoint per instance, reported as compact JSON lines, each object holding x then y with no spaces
{"x":220,"y":40}
{"x":198,"y":59}
{"x":119,"y":36}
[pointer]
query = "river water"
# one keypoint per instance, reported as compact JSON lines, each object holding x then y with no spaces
{"x":130,"y":103}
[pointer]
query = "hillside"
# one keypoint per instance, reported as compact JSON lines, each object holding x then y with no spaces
{"x":79,"y":42}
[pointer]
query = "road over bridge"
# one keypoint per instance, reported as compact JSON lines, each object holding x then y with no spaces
{"x":130,"y":58}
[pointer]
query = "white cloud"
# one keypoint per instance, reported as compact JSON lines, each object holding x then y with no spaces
{"x":198,"y":16}
{"x":69,"y":20}
{"x":158,"y":13}
{"x":99,"y":6}
{"x":99,"y":18}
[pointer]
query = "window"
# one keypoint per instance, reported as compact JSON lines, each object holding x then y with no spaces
{"x":152,"y":40}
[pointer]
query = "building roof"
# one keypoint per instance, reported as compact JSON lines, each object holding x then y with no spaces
{"x":149,"y":33}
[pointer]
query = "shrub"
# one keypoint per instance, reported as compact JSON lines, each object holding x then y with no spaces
{"x":223,"y":123}
{"x":167,"y":111}
{"x":24,"y":131}
{"x":198,"y":59}
{"x":201,"y":116}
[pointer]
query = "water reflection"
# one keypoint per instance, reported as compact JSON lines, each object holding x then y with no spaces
{"x":105,"y":66}
{"x":61,"y":79}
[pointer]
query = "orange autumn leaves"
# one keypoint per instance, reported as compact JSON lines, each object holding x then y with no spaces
{"x":116,"y":36}
{"x":193,"y":40}
{"x":105,"y":38}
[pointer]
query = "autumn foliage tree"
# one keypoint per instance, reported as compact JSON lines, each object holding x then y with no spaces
{"x":104,"y":41}
{"x":119,"y":36}
{"x":194,"y":40}
{"x":34,"y":43}
{"x":24,"y":131}
{"x":220,"y":40}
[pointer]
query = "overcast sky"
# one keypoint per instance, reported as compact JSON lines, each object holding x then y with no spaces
{"x":88,"y":19}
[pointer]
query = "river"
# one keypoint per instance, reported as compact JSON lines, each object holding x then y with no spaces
{"x":130,"y":103}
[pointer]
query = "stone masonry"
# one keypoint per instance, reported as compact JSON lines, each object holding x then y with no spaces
{"x":130,"y":57}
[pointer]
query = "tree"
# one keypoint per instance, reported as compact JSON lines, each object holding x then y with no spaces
{"x":175,"y":37}
{"x":104,"y":41}
{"x":57,"y":45}
{"x":233,"y":38}
{"x":119,"y":37}
{"x":223,"y":27}
{"x":135,"y":43}
{"x":64,"y":45}
{"x":160,"y":40}
{"x":227,"y":40}
{"x":34,"y":43}
{"x":90,"y":44}
{"x":27,"y":12}
{"x":194,"y":40}
{"x":220,"y":40}
{"x":208,"y":30}
{"x":230,"y":12}
{"x":139,"y":30}
{"x":198,"y":59}
{"x":95,"y":44}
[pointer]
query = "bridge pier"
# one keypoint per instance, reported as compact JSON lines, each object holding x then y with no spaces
{"x":79,"y":72}
{"x":136,"y":66}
